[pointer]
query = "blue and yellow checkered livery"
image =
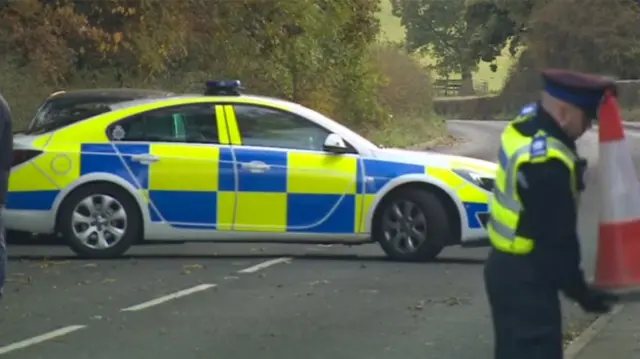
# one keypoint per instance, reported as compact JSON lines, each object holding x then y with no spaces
{"x":207,"y":187}
{"x":203,"y":186}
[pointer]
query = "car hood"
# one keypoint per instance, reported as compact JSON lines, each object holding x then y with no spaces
{"x":435,"y":159}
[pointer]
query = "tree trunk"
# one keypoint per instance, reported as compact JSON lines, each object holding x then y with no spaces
{"x":467,"y":84}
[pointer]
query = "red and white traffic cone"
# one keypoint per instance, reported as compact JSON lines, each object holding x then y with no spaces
{"x":618,"y":258}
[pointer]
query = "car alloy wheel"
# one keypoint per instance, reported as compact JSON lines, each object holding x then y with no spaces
{"x":99,"y":221}
{"x":404,"y":226}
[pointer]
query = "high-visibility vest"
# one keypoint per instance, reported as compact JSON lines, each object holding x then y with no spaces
{"x":505,"y":206}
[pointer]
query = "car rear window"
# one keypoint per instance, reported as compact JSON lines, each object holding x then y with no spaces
{"x":54,"y":114}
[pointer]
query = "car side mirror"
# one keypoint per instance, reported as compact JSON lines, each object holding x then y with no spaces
{"x":335,"y":144}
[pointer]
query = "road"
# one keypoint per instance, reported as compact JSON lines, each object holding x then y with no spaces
{"x":271,"y":301}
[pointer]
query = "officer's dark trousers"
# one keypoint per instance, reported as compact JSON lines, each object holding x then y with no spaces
{"x":3,"y":254}
{"x":526,"y":311}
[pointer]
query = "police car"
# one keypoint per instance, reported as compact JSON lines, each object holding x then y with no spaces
{"x":226,"y":166}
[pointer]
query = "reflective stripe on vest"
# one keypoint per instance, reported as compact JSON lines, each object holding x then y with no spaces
{"x":505,"y":205}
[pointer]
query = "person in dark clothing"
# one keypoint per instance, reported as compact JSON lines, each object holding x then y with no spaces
{"x":6,"y":157}
{"x":533,"y":217}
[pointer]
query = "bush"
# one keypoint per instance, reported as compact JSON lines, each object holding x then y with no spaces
{"x":406,"y":94}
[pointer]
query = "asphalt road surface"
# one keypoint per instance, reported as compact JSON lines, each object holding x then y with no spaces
{"x":268,"y":301}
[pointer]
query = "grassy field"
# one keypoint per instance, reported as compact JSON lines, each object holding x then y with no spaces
{"x":392,"y":30}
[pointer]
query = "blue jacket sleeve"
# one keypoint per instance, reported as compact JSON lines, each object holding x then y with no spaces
{"x":551,"y":218}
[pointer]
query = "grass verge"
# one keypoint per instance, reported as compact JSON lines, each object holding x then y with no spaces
{"x":411,"y":132}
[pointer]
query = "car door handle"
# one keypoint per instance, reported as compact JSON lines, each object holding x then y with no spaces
{"x":256,"y":167}
{"x":144,"y":159}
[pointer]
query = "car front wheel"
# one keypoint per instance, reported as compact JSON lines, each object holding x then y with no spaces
{"x":411,"y":225}
{"x":100,"y":221}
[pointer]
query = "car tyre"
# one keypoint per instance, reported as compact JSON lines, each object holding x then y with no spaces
{"x":423,"y":214}
{"x":111,"y":215}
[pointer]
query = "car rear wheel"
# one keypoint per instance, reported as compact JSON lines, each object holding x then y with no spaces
{"x":100,"y":221}
{"x":411,"y":225}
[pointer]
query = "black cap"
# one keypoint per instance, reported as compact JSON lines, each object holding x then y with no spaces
{"x":579,"y":89}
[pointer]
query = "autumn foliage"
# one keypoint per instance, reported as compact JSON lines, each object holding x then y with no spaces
{"x":317,"y":52}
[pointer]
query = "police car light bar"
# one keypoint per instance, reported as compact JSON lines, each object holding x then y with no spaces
{"x":222,"y":88}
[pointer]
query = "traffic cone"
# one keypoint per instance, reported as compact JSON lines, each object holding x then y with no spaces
{"x":618,"y":258}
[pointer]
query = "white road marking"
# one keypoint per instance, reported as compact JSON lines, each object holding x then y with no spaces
{"x":40,"y":338}
{"x":168,"y":297}
{"x":265,"y":264}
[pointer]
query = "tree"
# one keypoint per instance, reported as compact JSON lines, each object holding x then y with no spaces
{"x":313,"y":51}
{"x":439,"y":29}
{"x":47,"y":37}
{"x":494,"y":24}
{"x":607,"y":39}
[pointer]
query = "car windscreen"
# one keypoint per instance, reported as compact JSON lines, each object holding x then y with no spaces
{"x":57,"y":113}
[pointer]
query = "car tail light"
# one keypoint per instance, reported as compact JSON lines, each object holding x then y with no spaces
{"x":22,"y":156}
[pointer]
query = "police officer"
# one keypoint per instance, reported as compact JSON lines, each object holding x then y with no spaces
{"x":6,"y":157}
{"x":533,"y":215}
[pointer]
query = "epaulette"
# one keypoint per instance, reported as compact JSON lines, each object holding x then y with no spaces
{"x":539,"y":146}
{"x":528,"y":109}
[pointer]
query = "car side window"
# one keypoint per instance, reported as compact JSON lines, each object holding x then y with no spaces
{"x":265,"y":127}
{"x":194,"y":123}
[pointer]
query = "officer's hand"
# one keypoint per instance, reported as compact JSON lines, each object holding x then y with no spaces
{"x":598,"y":301}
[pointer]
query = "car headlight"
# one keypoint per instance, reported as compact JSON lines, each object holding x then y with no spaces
{"x":477,"y":179}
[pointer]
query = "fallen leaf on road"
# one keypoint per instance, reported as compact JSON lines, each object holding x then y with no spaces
{"x":193,"y":266}
{"x":47,"y":263}
{"x":570,"y":334}
{"x":418,"y":306}
{"x":188,"y":268}
{"x":451,"y":301}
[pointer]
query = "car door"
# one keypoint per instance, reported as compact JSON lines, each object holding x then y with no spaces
{"x":176,"y":155}
{"x":286,"y":182}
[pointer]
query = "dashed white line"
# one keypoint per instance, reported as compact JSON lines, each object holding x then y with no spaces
{"x":265,"y":264}
{"x":168,"y":297}
{"x":40,"y":338}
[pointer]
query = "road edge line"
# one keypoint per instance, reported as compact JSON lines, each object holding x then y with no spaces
{"x":576,"y":346}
